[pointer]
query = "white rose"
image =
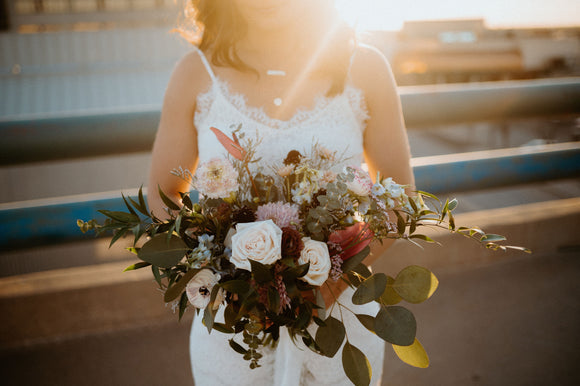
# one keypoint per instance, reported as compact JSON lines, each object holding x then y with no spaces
{"x":260,"y":241}
{"x":315,"y":253}
{"x":199,"y":289}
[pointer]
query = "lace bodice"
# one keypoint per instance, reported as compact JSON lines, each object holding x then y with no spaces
{"x":336,"y":123}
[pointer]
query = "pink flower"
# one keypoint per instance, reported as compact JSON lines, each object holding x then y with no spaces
{"x":232,"y":146}
{"x":283,"y":214}
{"x":216,"y":178}
{"x":352,"y":240}
{"x":286,"y":170}
{"x":362,"y":184}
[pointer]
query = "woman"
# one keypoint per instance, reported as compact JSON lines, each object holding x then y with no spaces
{"x":289,"y":71}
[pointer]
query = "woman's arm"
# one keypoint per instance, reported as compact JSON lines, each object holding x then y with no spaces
{"x":386,"y":147}
{"x":176,"y":140}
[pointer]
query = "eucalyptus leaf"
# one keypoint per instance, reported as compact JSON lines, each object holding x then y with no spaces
{"x":396,"y":325}
{"x":355,"y":260}
{"x":390,"y":296}
{"x":356,"y":365}
{"x":370,"y":289}
{"x":237,"y":347}
{"x":320,"y":303}
{"x":330,"y":336}
{"x":415,"y":284}
{"x":162,"y":252}
{"x":414,"y":355}
{"x":367,"y":320}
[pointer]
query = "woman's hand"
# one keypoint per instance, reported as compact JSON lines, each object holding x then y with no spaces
{"x":331,"y":291}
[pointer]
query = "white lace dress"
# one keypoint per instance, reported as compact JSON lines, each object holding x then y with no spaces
{"x":337,"y":123}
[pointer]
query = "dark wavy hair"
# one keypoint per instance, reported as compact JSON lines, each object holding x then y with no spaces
{"x":216,"y":26}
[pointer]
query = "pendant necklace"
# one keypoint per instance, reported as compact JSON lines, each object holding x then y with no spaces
{"x":277,"y":101}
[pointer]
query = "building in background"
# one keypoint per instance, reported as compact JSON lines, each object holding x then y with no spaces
{"x":423,"y":52}
{"x":455,"y":51}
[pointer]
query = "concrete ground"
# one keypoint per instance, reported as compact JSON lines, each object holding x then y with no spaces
{"x":496,"y":319}
{"x":508,"y":323}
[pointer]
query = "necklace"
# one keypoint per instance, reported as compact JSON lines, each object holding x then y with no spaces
{"x":277,"y":101}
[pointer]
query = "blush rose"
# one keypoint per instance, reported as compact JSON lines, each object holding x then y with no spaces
{"x":315,"y":253}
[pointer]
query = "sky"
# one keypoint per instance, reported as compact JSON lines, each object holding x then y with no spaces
{"x":390,"y":14}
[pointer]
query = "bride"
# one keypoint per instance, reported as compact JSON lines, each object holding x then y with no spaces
{"x":290,"y":72}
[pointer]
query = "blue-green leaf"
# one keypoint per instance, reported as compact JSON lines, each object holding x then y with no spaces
{"x":356,"y":365}
{"x":396,"y":325}
{"x":370,"y":289}
{"x":330,"y":336}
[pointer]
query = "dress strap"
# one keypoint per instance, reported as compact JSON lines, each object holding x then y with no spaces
{"x":352,"y":55}
{"x":206,"y":64}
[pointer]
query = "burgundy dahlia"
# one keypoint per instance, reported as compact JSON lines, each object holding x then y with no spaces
{"x":244,"y":214}
{"x":292,"y":243}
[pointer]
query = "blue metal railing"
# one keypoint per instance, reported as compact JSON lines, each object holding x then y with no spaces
{"x":45,"y":222}
{"x":24,"y":138}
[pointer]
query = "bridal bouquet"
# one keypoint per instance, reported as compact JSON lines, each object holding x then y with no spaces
{"x":262,"y":241}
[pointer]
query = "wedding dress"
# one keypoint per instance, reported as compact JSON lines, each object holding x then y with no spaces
{"x":336,"y":123}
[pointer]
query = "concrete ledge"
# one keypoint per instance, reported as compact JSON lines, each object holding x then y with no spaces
{"x":61,"y":304}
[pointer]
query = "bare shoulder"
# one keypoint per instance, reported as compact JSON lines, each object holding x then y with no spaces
{"x":189,"y":77}
{"x":371,"y":71}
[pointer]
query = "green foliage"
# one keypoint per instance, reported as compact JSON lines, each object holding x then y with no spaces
{"x":367,"y":321}
{"x":330,"y":336}
{"x":396,"y":325}
{"x":136,"y":266}
{"x":390,"y":296}
{"x":370,"y":289}
{"x":161,"y":252}
{"x":356,"y":365}
{"x":262,"y":273}
{"x":413,"y":354}
{"x":179,"y":286}
{"x":415,"y":284}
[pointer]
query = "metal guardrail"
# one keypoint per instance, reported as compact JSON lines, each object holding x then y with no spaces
{"x":52,"y":221}
{"x":25,"y":139}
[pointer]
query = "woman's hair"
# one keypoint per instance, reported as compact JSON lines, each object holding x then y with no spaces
{"x":216,"y":26}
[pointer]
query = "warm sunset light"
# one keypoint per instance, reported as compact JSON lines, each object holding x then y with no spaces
{"x":390,"y":14}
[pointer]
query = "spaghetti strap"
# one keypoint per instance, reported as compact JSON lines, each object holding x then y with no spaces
{"x":206,"y":64}
{"x":351,"y":60}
